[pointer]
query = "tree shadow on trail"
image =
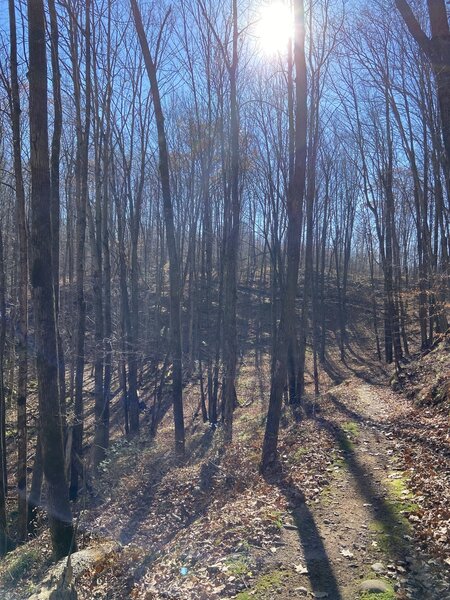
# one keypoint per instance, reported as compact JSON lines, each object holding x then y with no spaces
{"x":197,"y":447}
{"x":389,"y":522}
{"x":368,"y":370}
{"x":320,"y":570}
{"x":402,"y":428}
{"x":333,"y":371}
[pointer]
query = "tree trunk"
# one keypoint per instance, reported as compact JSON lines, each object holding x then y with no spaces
{"x":59,"y":512}
{"x":231,"y":249}
{"x":437,"y":49}
{"x":3,"y":529}
{"x":294,"y":206}
{"x":82,"y":198}
{"x":174,"y":265}
{"x":22,"y":321}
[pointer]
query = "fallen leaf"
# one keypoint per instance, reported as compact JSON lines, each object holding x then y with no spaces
{"x":301,"y":569}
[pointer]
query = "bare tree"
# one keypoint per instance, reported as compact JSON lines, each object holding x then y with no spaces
{"x":59,"y":511}
{"x":294,"y":209}
{"x":174,"y":265}
{"x":22,"y":324}
{"x":437,"y":49}
{"x":82,"y":157}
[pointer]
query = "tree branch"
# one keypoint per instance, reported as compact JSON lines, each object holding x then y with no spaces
{"x":438,"y":18}
{"x":414,"y":27}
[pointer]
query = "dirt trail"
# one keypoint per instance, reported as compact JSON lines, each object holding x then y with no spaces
{"x":337,"y":514}
{"x":358,"y":529}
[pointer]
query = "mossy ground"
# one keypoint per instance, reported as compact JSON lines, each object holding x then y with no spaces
{"x":390,"y":595}
{"x":265,"y":586}
{"x":238,"y":566}
{"x":393,"y":525}
{"x":18,"y":564}
{"x":351,"y":428}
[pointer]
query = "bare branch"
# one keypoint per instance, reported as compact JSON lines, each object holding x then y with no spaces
{"x":414,"y":27}
{"x":215,"y":34}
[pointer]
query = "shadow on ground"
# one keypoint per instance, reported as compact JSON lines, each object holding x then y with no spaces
{"x":320,"y":570}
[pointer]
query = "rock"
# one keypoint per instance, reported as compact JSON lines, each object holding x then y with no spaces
{"x":378,"y":567}
{"x":301,"y":590}
{"x":374,"y":586}
{"x":214,"y":568}
{"x":58,"y":583}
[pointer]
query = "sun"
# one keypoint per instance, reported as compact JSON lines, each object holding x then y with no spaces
{"x":275,"y":27}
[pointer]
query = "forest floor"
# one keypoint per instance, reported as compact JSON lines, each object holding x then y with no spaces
{"x":359,"y":509}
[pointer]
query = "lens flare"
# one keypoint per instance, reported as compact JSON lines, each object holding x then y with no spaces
{"x":275,"y":27}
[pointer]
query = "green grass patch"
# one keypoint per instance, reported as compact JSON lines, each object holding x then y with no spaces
{"x":238,"y":565}
{"x":297,"y":456}
{"x":390,"y":595}
{"x":267,"y":583}
{"x":276,"y":516}
{"x":351,"y":428}
{"x":392,"y":524}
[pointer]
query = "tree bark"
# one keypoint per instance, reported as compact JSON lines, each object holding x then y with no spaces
{"x":231,"y":250}
{"x":174,"y":265}
{"x":82,"y":198}
{"x":294,"y":208}
{"x":22,"y":321}
{"x":437,"y":49}
{"x":59,"y":512}
{"x":3,"y":522}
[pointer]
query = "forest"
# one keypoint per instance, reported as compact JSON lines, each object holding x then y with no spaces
{"x":224,"y":280}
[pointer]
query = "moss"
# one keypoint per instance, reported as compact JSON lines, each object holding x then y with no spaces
{"x":297,"y":456}
{"x":367,"y":595}
{"x":351,"y":428}
{"x":20,"y":564}
{"x":390,"y":537}
{"x":337,"y":461}
{"x":325,"y":495}
{"x":392,"y":525}
{"x":401,"y":495}
{"x":267,"y":583}
{"x":390,"y":595}
{"x":238,"y":565}
{"x":376,"y":527}
{"x":245,"y":596}
{"x":271,"y":580}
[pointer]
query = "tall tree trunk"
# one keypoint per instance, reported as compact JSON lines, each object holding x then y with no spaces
{"x":437,"y":49}
{"x":22,"y":321}
{"x":3,"y":528}
{"x":82,"y":198}
{"x":231,"y":249}
{"x":55,"y":195}
{"x":102,"y":432}
{"x":59,"y":512}
{"x":174,"y":264}
{"x":294,"y":207}
{"x":34,"y":499}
